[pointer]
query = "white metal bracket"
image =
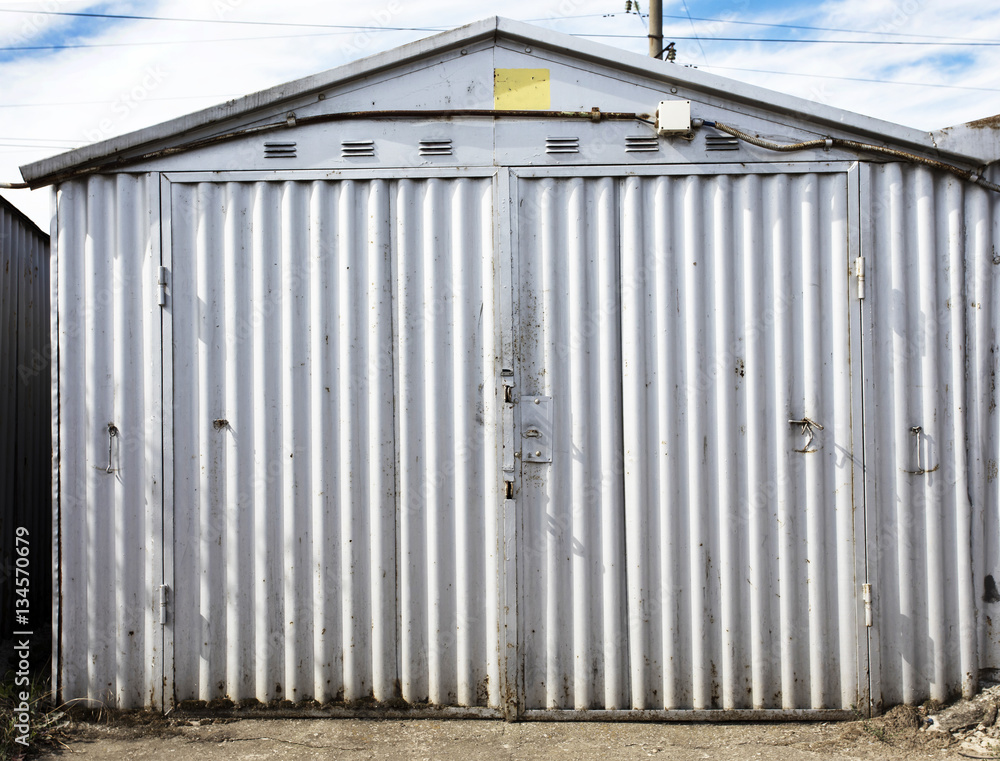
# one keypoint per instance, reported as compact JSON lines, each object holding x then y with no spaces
{"x":859,"y":273}
{"x":536,"y":424}
{"x":866,"y":593}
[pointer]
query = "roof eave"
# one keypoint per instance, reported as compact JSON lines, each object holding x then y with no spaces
{"x":823,"y":116}
{"x":37,"y":173}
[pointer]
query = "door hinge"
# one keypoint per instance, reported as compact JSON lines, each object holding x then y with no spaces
{"x":163,"y":604}
{"x":866,"y":595}
{"x":161,"y":287}
{"x":859,"y":273}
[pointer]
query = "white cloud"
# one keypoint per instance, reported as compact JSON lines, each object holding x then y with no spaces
{"x":123,"y":87}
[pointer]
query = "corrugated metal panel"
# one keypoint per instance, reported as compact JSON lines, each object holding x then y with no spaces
{"x":982,"y":224}
{"x":571,"y":557}
{"x":334,"y":441}
{"x":109,"y":506}
{"x":25,"y":430}
{"x":715,"y":567}
{"x":931,"y":426}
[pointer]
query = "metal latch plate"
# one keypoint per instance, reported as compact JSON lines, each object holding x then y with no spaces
{"x":536,"y":428}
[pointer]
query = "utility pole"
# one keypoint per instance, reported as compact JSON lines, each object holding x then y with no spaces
{"x":655,"y":28}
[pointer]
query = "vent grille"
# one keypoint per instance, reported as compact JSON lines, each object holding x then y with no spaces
{"x":642,"y":144}
{"x":279,"y":150}
{"x":721,"y":143}
{"x":435,"y":147}
{"x":350,"y":148}
{"x":562,"y":145}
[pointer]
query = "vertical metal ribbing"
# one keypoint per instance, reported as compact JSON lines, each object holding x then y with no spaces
{"x":844,"y":466}
{"x":960,"y":350}
{"x":491,"y":482}
{"x":239,"y":475}
{"x":324,"y":346}
{"x":812,"y":486}
{"x":932,"y":418}
{"x":442,"y":347}
{"x":677,"y":564}
{"x":268,"y":608}
{"x":381,"y":467}
{"x":777,"y":241}
{"x":437,"y":342}
{"x":211,"y":464}
{"x":981,"y":311}
{"x":576,"y":305}
{"x":757,"y":284}
{"x":354,"y":493}
{"x":728,"y":468}
{"x":554,"y":332}
{"x":897,"y":245}
{"x":636,"y":401}
{"x":127,"y":409}
{"x":98,"y":318}
{"x":673,"y":640}
{"x":460,"y":272}
{"x":413,"y":593}
{"x":72,"y":484}
{"x":295,"y":421}
{"x":609,"y":434}
{"x":699,"y":560}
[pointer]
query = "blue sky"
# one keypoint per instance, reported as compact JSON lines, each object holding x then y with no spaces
{"x":144,"y":72}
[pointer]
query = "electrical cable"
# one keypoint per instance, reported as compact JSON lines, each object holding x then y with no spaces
{"x":852,"y":79}
{"x":836,"y":142}
{"x":594,"y":115}
{"x":128,"y":17}
{"x":691,"y":20}
{"x":810,"y":42}
{"x":172,"y":42}
{"x":829,"y":29}
{"x":774,"y":25}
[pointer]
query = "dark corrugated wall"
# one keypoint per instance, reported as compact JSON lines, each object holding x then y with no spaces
{"x":25,"y":427}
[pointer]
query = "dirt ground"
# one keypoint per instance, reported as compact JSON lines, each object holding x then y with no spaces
{"x":897,"y":735}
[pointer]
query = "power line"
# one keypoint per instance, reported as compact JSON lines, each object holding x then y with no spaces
{"x":811,"y":42}
{"x":128,"y":17}
{"x":829,"y":29}
{"x":352,"y":27}
{"x":104,"y":102}
{"x":169,"y":42}
{"x":854,"y":79}
{"x":700,"y":46}
{"x":575,"y":34}
{"x":779,"y":26}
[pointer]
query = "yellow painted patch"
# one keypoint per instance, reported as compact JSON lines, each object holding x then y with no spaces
{"x":521,"y":90}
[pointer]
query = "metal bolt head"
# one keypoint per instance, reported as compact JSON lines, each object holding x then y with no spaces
{"x":538,"y":453}
{"x":537,"y":400}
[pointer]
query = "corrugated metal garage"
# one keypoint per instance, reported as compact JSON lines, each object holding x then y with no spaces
{"x":443,"y":379}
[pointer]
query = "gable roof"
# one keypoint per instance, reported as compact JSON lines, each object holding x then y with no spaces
{"x":972,"y":146}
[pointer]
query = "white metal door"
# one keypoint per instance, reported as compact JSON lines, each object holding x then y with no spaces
{"x":334,"y":464}
{"x":687,"y":534}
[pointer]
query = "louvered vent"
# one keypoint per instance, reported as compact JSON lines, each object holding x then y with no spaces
{"x":562,"y":145}
{"x":721,"y":143}
{"x":642,"y":144}
{"x":435,"y":147}
{"x":279,"y":150}
{"x":350,"y":148}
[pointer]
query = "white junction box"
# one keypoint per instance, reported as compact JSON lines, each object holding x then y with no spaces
{"x":673,"y":117}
